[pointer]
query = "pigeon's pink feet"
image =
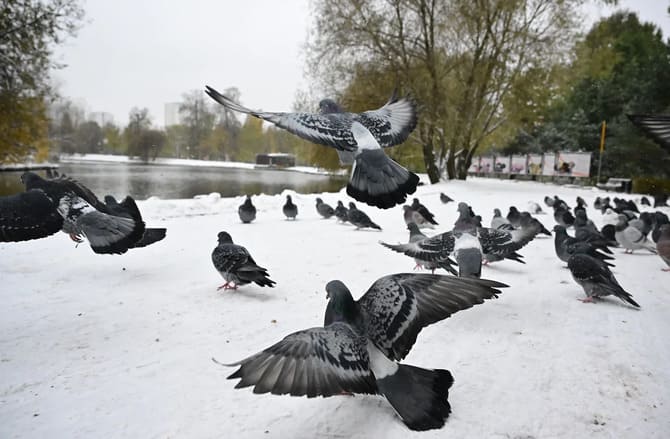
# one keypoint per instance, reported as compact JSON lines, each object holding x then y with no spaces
{"x":587,"y":300}
{"x":345,"y":393}
{"x":418,"y":267}
{"x":76,"y":238}
{"x":485,"y":262}
{"x":665,"y":269}
{"x":227,"y":286}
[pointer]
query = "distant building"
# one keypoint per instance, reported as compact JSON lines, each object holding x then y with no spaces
{"x":102,"y":118}
{"x":172,"y":114}
{"x":275,"y":160}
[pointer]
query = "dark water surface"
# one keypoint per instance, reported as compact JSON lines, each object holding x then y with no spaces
{"x":171,"y":182}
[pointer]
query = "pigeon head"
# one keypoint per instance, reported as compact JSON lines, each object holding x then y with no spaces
{"x":560,"y":230}
{"x":225,"y":238}
{"x":412,"y":227}
{"x":288,"y":198}
{"x":352,"y":205}
{"x":496,"y":212}
{"x":415,"y":202}
{"x":513,"y":209}
{"x":339,"y":203}
{"x":406,"y":208}
{"x":341,"y":305}
{"x":319,"y":201}
{"x":329,"y":106}
{"x":110,"y":200}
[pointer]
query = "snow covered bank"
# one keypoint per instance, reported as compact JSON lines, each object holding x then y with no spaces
{"x":121,"y":346}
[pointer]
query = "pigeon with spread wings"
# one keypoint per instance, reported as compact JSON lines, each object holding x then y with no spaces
{"x":357,"y":349}
{"x":359,"y":138}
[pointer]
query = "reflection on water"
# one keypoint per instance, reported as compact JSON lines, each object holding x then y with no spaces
{"x":170,"y":182}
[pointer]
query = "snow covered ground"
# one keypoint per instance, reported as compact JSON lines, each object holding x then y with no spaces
{"x":95,"y":346}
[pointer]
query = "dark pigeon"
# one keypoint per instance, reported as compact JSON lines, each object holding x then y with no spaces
{"x":247,"y":211}
{"x":151,"y":234}
{"x":660,"y":200}
{"x":596,"y":279}
{"x":514,"y":216}
{"x":236,"y":266}
{"x":323,"y":209}
{"x":659,"y":219}
{"x":290,"y":210}
{"x":423,"y":210}
{"x":645,"y":201}
{"x":341,"y":212}
{"x":565,"y":246}
{"x":413,"y":216}
{"x":415,"y":237}
{"x":357,"y":349}
{"x":444,"y":198}
{"x":359,"y":218}
{"x":359,"y":138}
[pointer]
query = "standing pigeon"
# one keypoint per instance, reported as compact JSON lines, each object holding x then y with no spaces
{"x":359,"y":218}
{"x":236,"y":265}
{"x":323,"y":209}
{"x":412,"y":216}
{"x":341,"y":212}
{"x":514,"y":216}
{"x":444,"y":198}
{"x":566,"y":246}
{"x":498,"y":221}
{"x":423,"y":210}
{"x":290,"y":210}
{"x":630,"y":238}
{"x":415,"y":237}
{"x":359,"y":137}
{"x":357,"y":349}
{"x":596,"y":279}
{"x":663,"y":245}
{"x":247,"y":211}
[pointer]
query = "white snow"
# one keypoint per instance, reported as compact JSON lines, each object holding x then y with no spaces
{"x":95,"y":346}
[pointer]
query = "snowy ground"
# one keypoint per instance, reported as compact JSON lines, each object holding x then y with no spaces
{"x":121,"y":346}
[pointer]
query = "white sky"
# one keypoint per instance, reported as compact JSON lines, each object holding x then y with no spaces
{"x":147,"y":53}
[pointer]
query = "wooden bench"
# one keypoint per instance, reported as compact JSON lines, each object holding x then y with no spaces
{"x":617,"y":185}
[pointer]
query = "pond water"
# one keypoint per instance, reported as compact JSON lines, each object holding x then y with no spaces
{"x":171,"y":182}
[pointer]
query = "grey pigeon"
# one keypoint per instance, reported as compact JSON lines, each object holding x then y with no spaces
{"x":357,"y":349}
{"x":596,"y":279}
{"x":630,"y":238}
{"x":659,"y":219}
{"x":415,"y":237}
{"x":498,"y":221}
{"x":323,"y":209}
{"x":534,"y":208}
{"x":290,"y":210}
{"x":359,"y":138}
{"x":565,"y":246}
{"x":444,"y":198}
{"x":514,"y":216}
{"x":341,"y":212}
{"x":236,"y":266}
{"x":247,"y":211}
{"x":423,"y":210}
{"x":65,"y":204}
{"x":359,"y":218}
{"x":412,"y":216}
{"x":663,"y":245}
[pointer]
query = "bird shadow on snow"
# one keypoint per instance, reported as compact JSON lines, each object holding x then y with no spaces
{"x":246,"y":294}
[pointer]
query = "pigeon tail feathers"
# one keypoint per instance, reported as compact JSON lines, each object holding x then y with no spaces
{"x":419,"y":396}
{"x":379,"y":181}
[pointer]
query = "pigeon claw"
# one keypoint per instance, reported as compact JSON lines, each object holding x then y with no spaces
{"x":227,"y":286}
{"x":587,"y":300}
{"x":665,"y":269}
{"x":76,"y":238}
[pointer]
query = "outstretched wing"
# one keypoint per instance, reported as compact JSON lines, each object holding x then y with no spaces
{"x":28,"y":215}
{"x":392,"y":123}
{"x":313,"y":362}
{"x":503,"y":242}
{"x":656,"y":126}
{"x":434,"y":249}
{"x":398,"y":306}
{"x":333,"y":129}
{"x":68,"y":184}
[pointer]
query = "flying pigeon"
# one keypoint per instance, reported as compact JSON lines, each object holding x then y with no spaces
{"x":444,"y":198}
{"x":151,"y":234}
{"x":236,"y":265}
{"x":359,"y":218}
{"x":65,"y":204}
{"x":656,"y":126}
{"x":596,"y":279}
{"x":341,"y":212}
{"x":323,"y":209}
{"x":412,"y":216}
{"x":375,"y":178}
{"x":415,"y":236}
{"x":630,"y":238}
{"x":423,"y":210}
{"x":247,"y":211}
{"x":357,"y":349}
{"x":290,"y":210}
{"x":663,"y":245}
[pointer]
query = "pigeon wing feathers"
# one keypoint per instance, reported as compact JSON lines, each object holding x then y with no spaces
{"x":435,"y":248}
{"x":398,"y":306}
{"x":28,"y":215}
{"x":324,"y":129}
{"x":391,"y":124}
{"x":109,"y":234}
{"x":313,"y":362}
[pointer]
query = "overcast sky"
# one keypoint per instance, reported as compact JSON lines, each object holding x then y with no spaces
{"x":147,"y":53}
